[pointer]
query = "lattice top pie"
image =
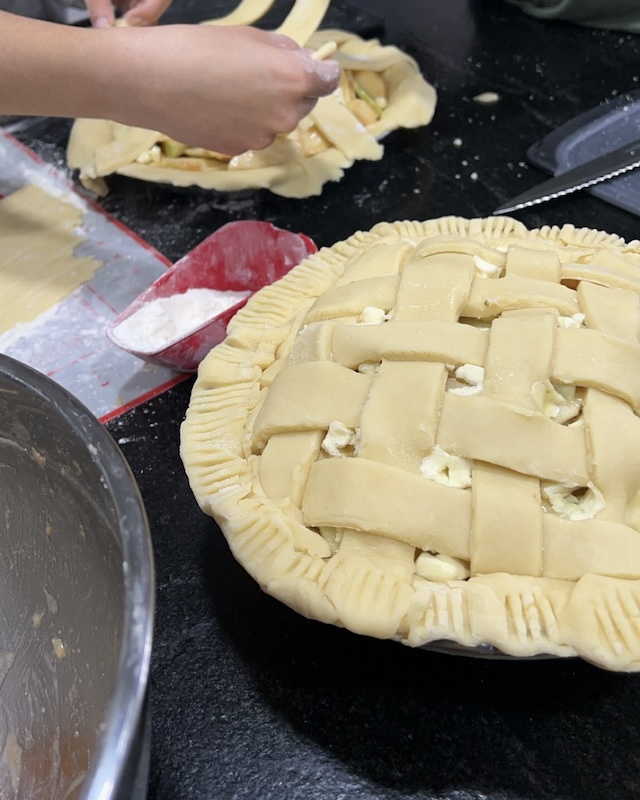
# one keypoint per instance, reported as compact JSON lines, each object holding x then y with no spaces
{"x":430,"y":431}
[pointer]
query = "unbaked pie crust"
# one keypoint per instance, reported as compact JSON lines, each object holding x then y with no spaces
{"x":340,"y":130}
{"x":430,"y":432}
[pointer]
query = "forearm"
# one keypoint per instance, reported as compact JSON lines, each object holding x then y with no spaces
{"x":54,"y":70}
{"x":223,"y":88}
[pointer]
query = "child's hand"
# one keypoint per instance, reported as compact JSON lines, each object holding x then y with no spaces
{"x":136,"y":12}
{"x":227,"y":88}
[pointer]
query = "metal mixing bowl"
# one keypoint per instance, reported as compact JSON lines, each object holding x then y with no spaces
{"x":76,"y":601}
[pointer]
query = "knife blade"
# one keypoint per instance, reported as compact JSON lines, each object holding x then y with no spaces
{"x":602,"y":168}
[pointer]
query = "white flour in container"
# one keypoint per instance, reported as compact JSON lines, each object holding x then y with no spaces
{"x":158,"y":323}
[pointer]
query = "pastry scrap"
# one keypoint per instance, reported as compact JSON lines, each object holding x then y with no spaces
{"x":430,"y":431}
{"x":381,"y":89}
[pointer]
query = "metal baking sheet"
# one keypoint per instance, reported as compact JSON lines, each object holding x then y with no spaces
{"x":68,"y":342}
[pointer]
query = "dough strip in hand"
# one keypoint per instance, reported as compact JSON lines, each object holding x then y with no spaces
{"x":326,"y":51}
{"x":303,"y":20}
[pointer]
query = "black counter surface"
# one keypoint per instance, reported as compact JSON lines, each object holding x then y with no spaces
{"x":249,"y":700}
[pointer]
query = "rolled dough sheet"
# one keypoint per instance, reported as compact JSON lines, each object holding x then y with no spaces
{"x":38,"y":266}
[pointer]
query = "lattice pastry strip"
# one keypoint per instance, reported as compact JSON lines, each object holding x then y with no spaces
{"x":377,"y":498}
{"x":614,"y":312}
{"x":576,"y":548}
{"x":606,"y":276}
{"x":334,"y":393}
{"x":443,"y":342}
{"x":590,"y":358}
{"x":503,"y":434}
{"x":350,"y":299}
{"x":613,"y":439}
{"x":381,"y":260}
{"x":285,"y":463}
{"x":500,"y":496}
{"x":434,"y":288}
{"x":539,"y":265}
{"x":400,"y":416}
{"x":430,"y":431}
{"x":512,"y":373}
{"x":490,"y":298}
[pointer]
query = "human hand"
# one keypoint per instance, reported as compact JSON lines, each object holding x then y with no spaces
{"x":228,"y":89}
{"x":136,"y":12}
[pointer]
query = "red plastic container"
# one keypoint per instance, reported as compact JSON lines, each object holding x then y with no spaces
{"x":240,"y":256}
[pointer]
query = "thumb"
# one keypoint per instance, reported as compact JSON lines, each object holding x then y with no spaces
{"x":100,"y":13}
{"x":146,"y":12}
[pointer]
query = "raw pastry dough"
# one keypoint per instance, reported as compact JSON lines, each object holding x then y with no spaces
{"x":303,"y":19}
{"x":430,"y":431}
{"x":38,"y":268}
{"x":341,"y":129}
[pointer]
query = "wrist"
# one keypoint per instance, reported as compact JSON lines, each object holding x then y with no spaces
{"x":105,"y":73}
{"x":118,"y":69}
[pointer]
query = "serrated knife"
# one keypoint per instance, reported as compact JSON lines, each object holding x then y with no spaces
{"x":599,"y":169}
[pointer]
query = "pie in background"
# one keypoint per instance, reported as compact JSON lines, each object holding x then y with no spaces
{"x":430,"y":431}
{"x":381,"y":89}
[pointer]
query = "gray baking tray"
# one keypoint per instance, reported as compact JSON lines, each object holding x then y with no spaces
{"x":612,"y":124}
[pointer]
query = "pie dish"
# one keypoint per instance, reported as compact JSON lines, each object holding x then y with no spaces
{"x":429,"y":432}
{"x":381,"y":90}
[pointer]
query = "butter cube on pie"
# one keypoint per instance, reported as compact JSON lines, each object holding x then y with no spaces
{"x":430,"y":431}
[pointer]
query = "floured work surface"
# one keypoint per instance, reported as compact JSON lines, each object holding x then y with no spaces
{"x":430,"y":432}
{"x":66,"y":271}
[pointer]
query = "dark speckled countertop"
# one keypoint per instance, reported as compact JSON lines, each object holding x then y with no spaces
{"x":251,"y":701}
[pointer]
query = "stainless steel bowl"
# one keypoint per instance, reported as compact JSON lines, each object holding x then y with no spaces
{"x":76,"y":601}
